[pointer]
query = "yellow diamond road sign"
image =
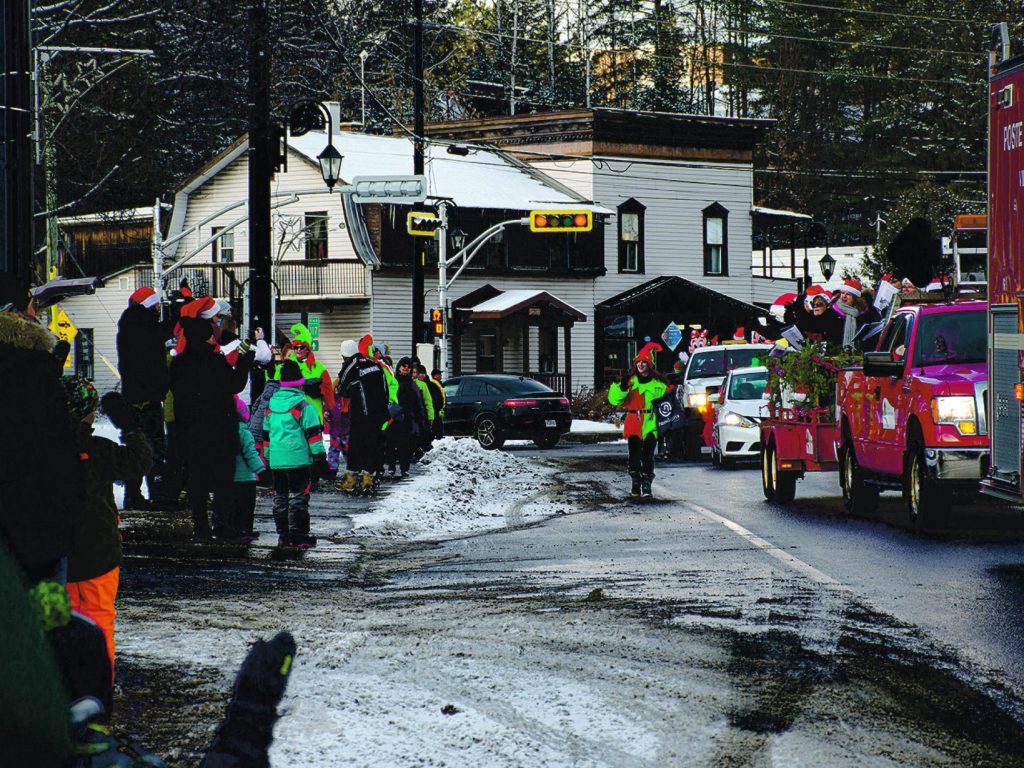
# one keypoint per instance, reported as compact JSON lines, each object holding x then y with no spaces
{"x":62,"y":327}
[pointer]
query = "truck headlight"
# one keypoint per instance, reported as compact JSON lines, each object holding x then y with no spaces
{"x":732,"y":419}
{"x":697,"y":399}
{"x":958,"y":411}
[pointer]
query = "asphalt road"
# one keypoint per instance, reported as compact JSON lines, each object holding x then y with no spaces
{"x":706,"y":628}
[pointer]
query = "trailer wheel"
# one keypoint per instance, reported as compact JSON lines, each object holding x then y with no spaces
{"x":859,"y":498}
{"x":927,"y":504}
{"x":778,"y":487}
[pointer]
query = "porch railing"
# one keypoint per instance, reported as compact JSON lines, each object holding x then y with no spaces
{"x":313,"y":278}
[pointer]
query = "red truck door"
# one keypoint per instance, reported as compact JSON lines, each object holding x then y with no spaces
{"x":887,"y":400}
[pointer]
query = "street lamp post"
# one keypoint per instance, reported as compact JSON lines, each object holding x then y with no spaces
{"x":827,"y":264}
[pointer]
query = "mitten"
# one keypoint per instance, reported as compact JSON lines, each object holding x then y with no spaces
{"x":311,"y":388}
{"x":120,"y":412}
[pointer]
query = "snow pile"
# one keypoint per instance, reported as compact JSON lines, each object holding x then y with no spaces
{"x":460,"y":488}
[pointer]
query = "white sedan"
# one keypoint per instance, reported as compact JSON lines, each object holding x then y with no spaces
{"x":739,"y":407}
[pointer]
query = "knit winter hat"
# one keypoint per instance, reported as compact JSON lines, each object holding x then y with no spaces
{"x":146,"y":297}
{"x":291,"y":374}
{"x":349,"y":348}
{"x":647,"y":353}
{"x":300,"y":334}
{"x":241,"y":408}
{"x":82,"y":396}
{"x":851,"y":286}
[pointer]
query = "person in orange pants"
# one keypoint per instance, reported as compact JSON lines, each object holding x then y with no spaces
{"x":95,"y":558}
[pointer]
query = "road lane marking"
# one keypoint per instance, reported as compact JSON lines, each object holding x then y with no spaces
{"x":763,"y":544}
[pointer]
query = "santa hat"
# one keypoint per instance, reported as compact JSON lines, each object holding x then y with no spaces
{"x":349,"y":348}
{"x":850,"y":286}
{"x":146,"y":297}
{"x":647,"y":353}
{"x":205,"y":308}
{"x":740,"y":334}
{"x":366,"y":346}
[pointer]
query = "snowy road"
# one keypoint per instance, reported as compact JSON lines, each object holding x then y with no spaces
{"x":707,"y":630}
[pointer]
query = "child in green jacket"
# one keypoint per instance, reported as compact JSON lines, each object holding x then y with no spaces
{"x":248,"y":465}
{"x":294,"y":448}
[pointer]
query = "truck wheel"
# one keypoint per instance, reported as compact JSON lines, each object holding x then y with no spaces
{"x":927,"y":504}
{"x":859,"y":498}
{"x":778,"y":487}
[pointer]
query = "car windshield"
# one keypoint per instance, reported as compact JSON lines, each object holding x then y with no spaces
{"x":718,"y":362}
{"x":748,"y":386}
{"x":951,"y":337}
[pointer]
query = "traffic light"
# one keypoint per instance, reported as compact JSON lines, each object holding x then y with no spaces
{"x":422,"y":223}
{"x":437,"y":322}
{"x":561,"y":221}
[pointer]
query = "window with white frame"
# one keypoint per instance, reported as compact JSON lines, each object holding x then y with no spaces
{"x":316,"y":235}
{"x":716,"y":240}
{"x":223,"y":246}
{"x":631,"y":236}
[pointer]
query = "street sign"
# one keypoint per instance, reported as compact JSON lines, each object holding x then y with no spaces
{"x":401,"y":190}
{"x":672,"y":336}
{"x":422,"y":223}
{"x":314,"y":327}
{"x":62,"y":327}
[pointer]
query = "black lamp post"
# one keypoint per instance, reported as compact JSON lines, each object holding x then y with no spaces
{"x":827,"y":264}
{"x":458,"y":238}
{"x":330,"y":165}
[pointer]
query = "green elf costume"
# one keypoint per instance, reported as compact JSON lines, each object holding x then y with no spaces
{"x":317,"y":387}
{"x":635,"y":393}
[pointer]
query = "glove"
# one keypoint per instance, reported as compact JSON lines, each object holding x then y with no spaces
{"x":243,"y":348}
{"x":321,"y":469}
{"x":120,"y":413}
{"x":312,"y":388}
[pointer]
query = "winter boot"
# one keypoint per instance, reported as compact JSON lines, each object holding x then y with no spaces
{"x":347,"y":483}
{"x":645,"y":486}
{"x":366,"y":483}
{"x":303,"y":540}
{"x":634,"y":492}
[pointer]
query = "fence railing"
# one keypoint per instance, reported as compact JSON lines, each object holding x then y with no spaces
{"x":316,"y":278}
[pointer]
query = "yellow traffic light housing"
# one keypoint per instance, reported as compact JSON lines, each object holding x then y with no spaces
{"x":422,"y":223}
{"x":561,"y":221}
{"x":437,"y":321}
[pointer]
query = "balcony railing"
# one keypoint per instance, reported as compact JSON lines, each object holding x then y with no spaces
{"x":295,"y":279}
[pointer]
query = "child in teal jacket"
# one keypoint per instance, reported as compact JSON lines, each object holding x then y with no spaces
{"x":248,"y":465}
{"x":293,"y":447}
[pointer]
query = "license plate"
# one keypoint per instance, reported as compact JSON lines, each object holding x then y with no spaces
{"x":550,"y":423}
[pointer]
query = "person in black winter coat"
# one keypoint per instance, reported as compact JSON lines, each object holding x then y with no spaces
{"x":142,"y":362}
{"x":42,"y":481}
{"x":407,"y":429}
{"x":362,"y":381}
{"x":206,"y":423}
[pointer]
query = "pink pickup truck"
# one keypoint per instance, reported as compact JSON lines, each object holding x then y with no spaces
{"x":913,"y":418}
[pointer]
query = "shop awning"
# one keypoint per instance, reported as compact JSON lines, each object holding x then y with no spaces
{"x":671,"y":293}
{"x":508,"y":303}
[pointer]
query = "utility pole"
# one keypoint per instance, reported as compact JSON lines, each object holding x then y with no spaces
{"x":261,"y":169}
{"x":16,"y":241}
{"x":417,"y":169}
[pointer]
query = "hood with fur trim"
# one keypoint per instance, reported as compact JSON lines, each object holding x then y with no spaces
{"x":26,"y":334}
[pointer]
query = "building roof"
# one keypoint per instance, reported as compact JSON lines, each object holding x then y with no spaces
{"x":481,"y":179}
{"x":776,"y":213}
{"x":510,"y":302}
{"x":671,"y":293}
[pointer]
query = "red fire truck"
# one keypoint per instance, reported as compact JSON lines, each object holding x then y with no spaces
{"x":1006,"y":268}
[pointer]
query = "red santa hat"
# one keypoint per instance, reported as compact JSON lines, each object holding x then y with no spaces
{"x":850,"y":286}
{"x":205,"y":308}
{"x":646,"y":353}
{"x":146,"y":297}
{"x":740,"y":334}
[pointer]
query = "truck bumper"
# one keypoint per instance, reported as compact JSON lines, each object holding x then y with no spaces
{"x":952,"y":464}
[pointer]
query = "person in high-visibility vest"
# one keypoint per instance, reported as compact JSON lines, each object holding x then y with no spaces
{"x":636,"y":392}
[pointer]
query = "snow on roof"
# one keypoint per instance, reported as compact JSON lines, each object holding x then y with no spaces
{"x":481,"y":179}
{"x":762,"y":211}
{"x":508,"y":299}
{"x":109,"y":217}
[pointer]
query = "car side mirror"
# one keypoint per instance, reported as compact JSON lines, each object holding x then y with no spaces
{"x":882,"y":364}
